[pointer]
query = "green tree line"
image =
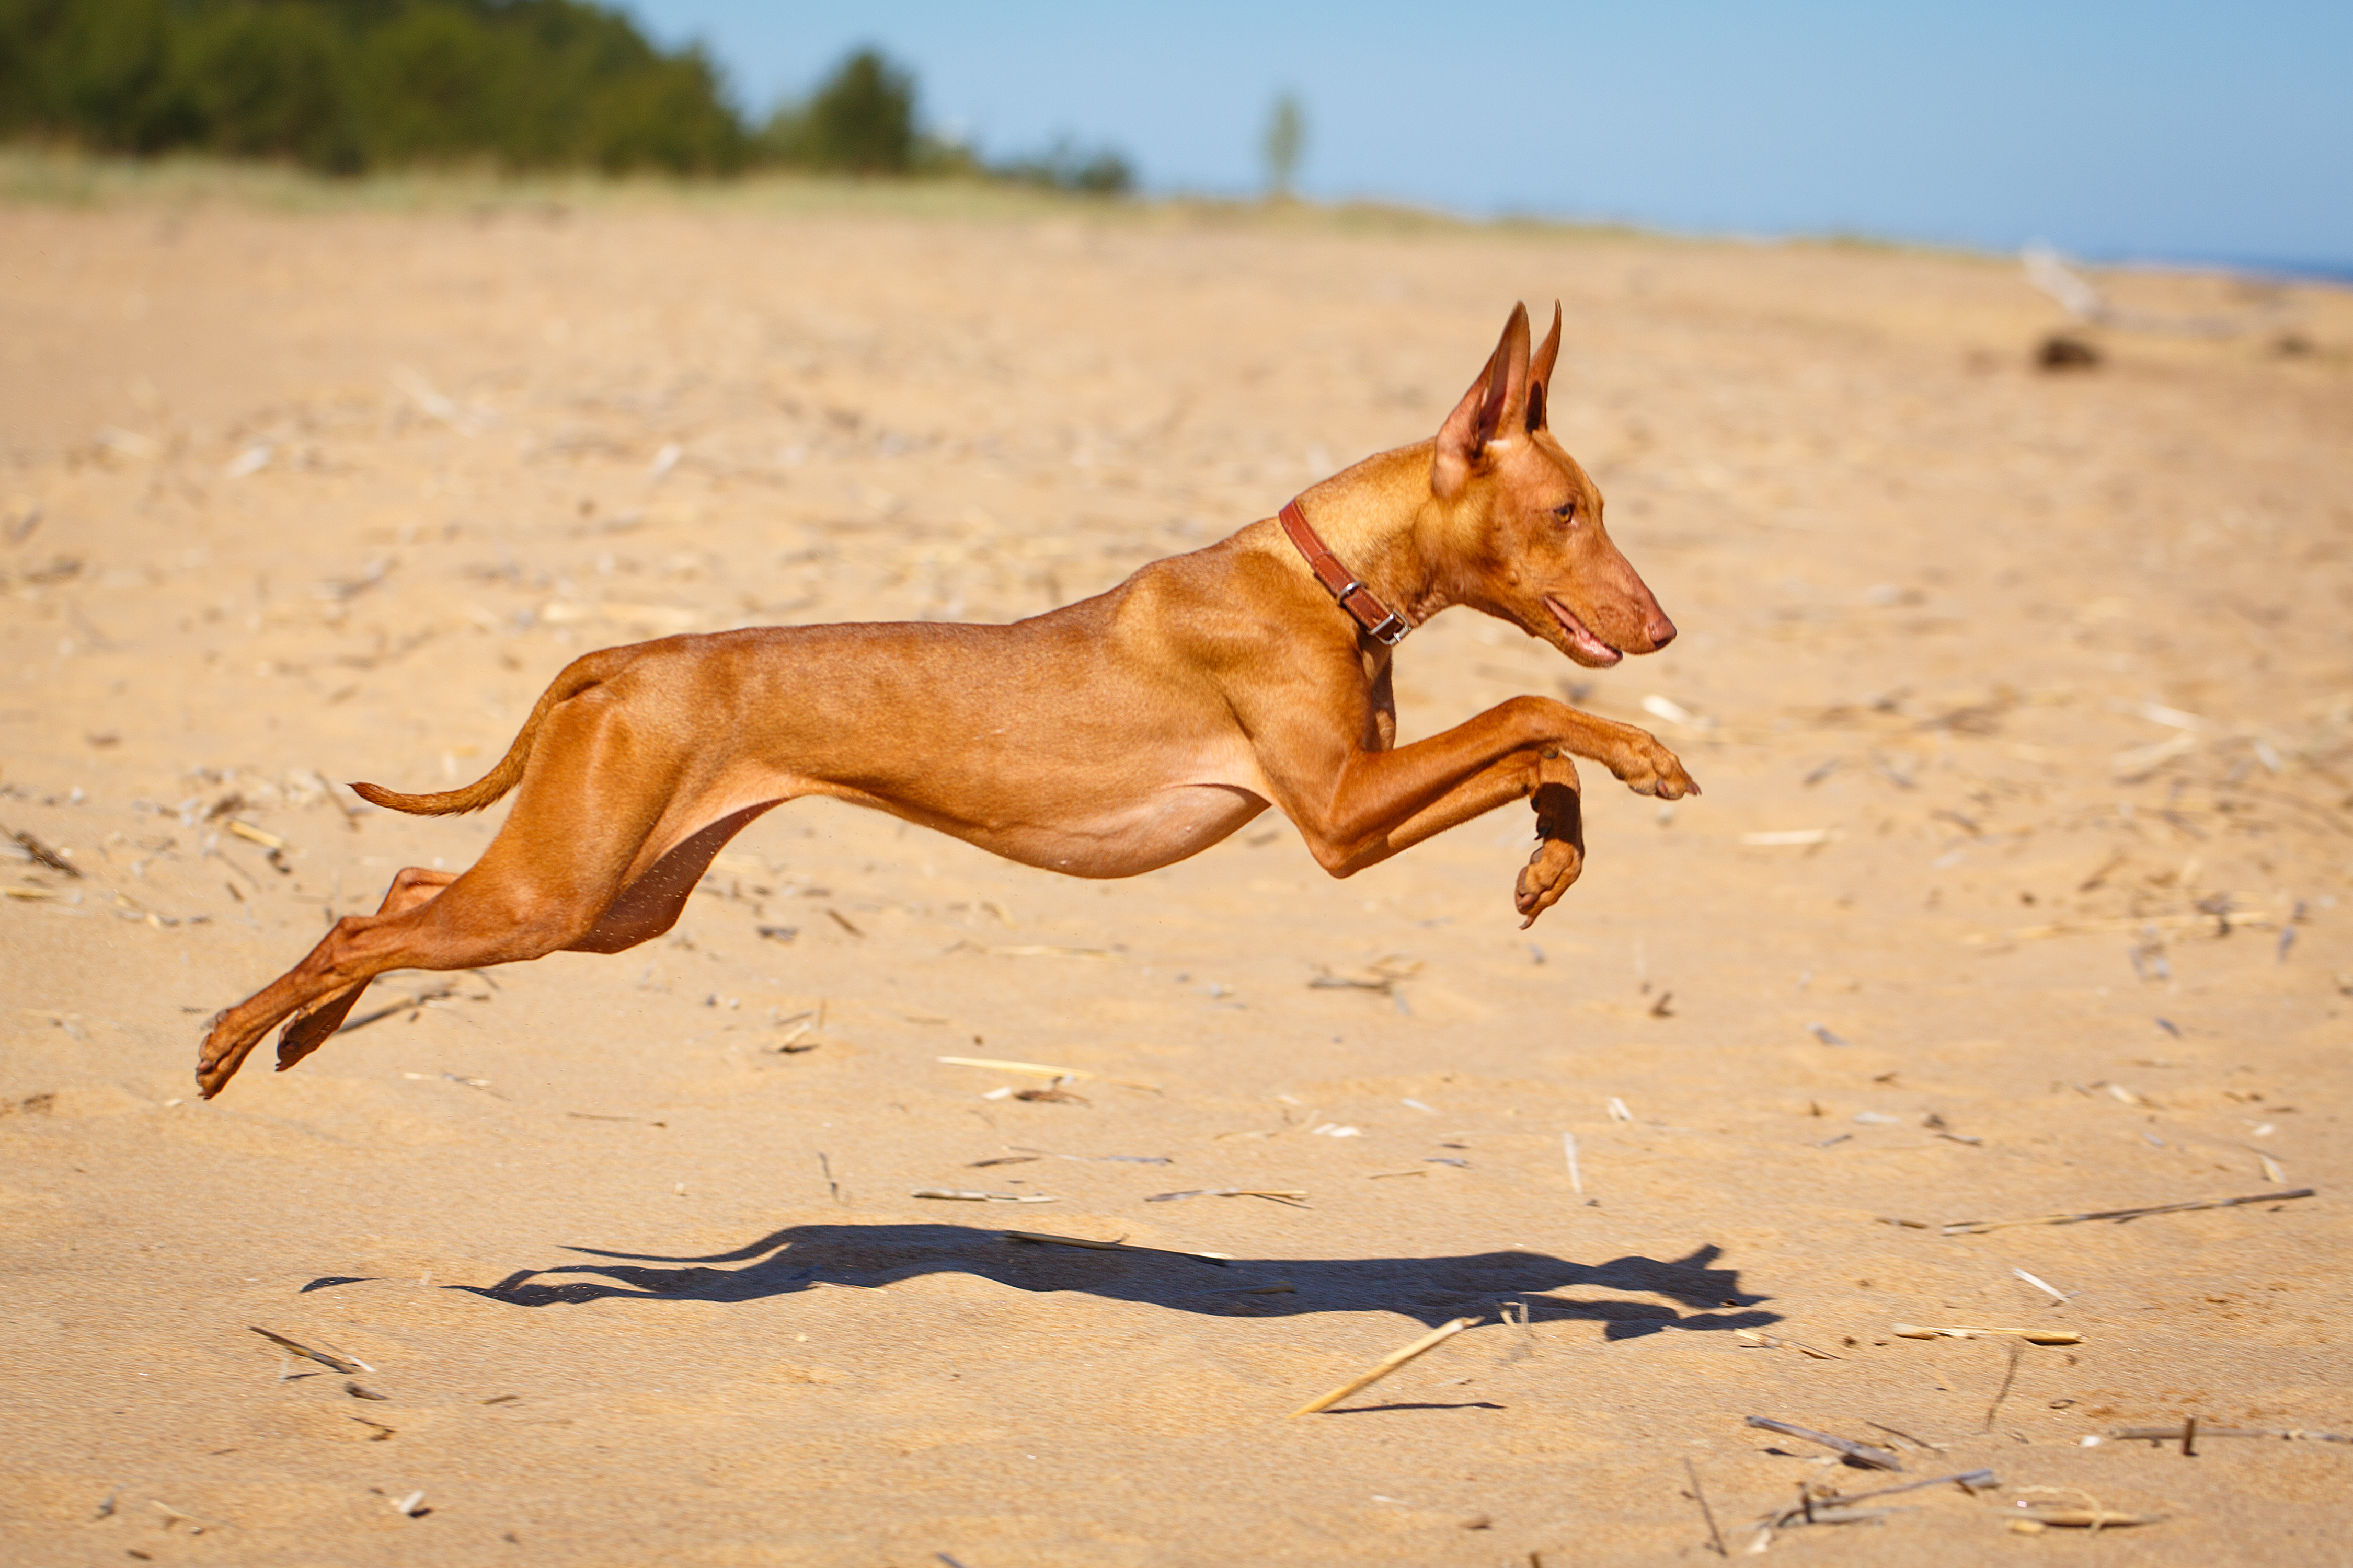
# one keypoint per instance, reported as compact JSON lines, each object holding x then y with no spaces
{"x":346,"y":86}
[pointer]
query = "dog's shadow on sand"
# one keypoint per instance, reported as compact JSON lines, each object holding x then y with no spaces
{"x":813,"y":1256}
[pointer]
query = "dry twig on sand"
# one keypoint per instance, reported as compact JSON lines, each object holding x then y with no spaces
{"x":1699,"y":1496}
{"x":1860,"y":1453}
{"x":2031,"y":1336}
{"x":327,"y":1359}
{"x":1832,"y":1509}
{"x":1274,"y":1195}
{"x":2177,"y":1433}
{"x":1386,"y":1366}
{"x":1979,"y":1226}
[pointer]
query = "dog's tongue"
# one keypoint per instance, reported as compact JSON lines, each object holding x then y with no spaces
{"x":1599,"y":651}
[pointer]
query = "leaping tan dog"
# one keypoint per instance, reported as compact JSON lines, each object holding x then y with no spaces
{"x":1105,"y":739}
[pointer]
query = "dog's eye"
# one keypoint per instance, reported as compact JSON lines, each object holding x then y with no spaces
{"x":1566,"y":511}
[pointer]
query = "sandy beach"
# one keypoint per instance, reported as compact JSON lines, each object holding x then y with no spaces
{"x":2022,"y":702}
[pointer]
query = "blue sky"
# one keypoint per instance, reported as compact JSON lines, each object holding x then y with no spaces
{"x":2151,"y":130}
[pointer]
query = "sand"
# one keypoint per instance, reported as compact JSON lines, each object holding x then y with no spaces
{"x":2021,"y":702}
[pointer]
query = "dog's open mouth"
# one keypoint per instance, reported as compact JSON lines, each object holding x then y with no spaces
{"x":1594,"y":651}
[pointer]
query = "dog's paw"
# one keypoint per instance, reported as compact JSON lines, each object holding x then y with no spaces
{"x":1551,"y":871}
{"x":1648,"y":768}
{"x":224,"y":1051}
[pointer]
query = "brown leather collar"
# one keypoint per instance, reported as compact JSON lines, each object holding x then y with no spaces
{"x":1355,"y":598}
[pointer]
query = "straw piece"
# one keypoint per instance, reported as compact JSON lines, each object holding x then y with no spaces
{"x":972,"y":1197}
{"x":2085,"y":1518}
{"x":1386,"y":1366}
{"x":1040,"y":1070}
{"x":2031,"y":1336}
{"x":1979,"y":1226}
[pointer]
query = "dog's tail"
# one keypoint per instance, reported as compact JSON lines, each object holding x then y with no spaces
{"x":589,"y":669}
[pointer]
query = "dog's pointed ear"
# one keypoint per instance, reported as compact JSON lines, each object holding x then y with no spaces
{"x":1497,"y":403}
{"x":1540,"y":374}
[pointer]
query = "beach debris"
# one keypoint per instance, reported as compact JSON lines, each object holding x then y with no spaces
{"x":1040,"y":1070}
{"x":1921,"y":1442}
{"x":1046,"y":1238}
{"x":412,"y":1506}
{"x":1274,"y":1195}
{"x":358,"y":1390}
{"x":1036,"y":949}
{"x":2181,"y":1433}
{"x":2092,"y":1516}
{"x":1860,"y":1453}
{"x":42,"y":854}
{"x":1832,"y":1508}
{"x":778,"y":933}
{"x":173,"y":1516}
{"x":1005,"y":1160}
{"x":1822,"y":1033}
{"x":1699,"y":1496}
{"x":2009,"y":1377}
{"x":1381,"y":975}
{"x":595,"y":1116}
{"x":1388,"y":1175}
{"x":958,"y":1196}
{"x":435,"y":403}
{"x":796,"y":1027}
{"x":2148,"y":925}
{"x":1335,"y":1130}
{"x":1386,"y":1366}
{"x":1052,"y":1094}
{"x":1569,"y":1148}
{"x":2056,"y":1294}
{"x":483,"y":1084}
{"x":330,"y":1360}
{"x":1980,"y":1226}
{"x":825,"y":1168}
{"x":2031,"y":1336}
{"x":1775,"y":1343}
{"x":1789,"y":838}
{"x":843,"y":921}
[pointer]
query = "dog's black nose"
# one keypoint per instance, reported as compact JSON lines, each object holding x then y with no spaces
{"x":1659,"y":629}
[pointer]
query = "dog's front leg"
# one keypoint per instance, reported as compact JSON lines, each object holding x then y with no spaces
{"x":1357,"y":806}
{"x":1635,"y":756}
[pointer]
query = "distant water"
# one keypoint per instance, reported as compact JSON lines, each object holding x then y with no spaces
{"x":2252,"y":267}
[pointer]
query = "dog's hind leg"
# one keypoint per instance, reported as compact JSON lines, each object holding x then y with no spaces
{"x":412,"y":885}
{"x":650,"y":905}
{"x":563,"y":856}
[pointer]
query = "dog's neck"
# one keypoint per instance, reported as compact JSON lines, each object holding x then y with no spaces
{"x":1381,"y":521}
